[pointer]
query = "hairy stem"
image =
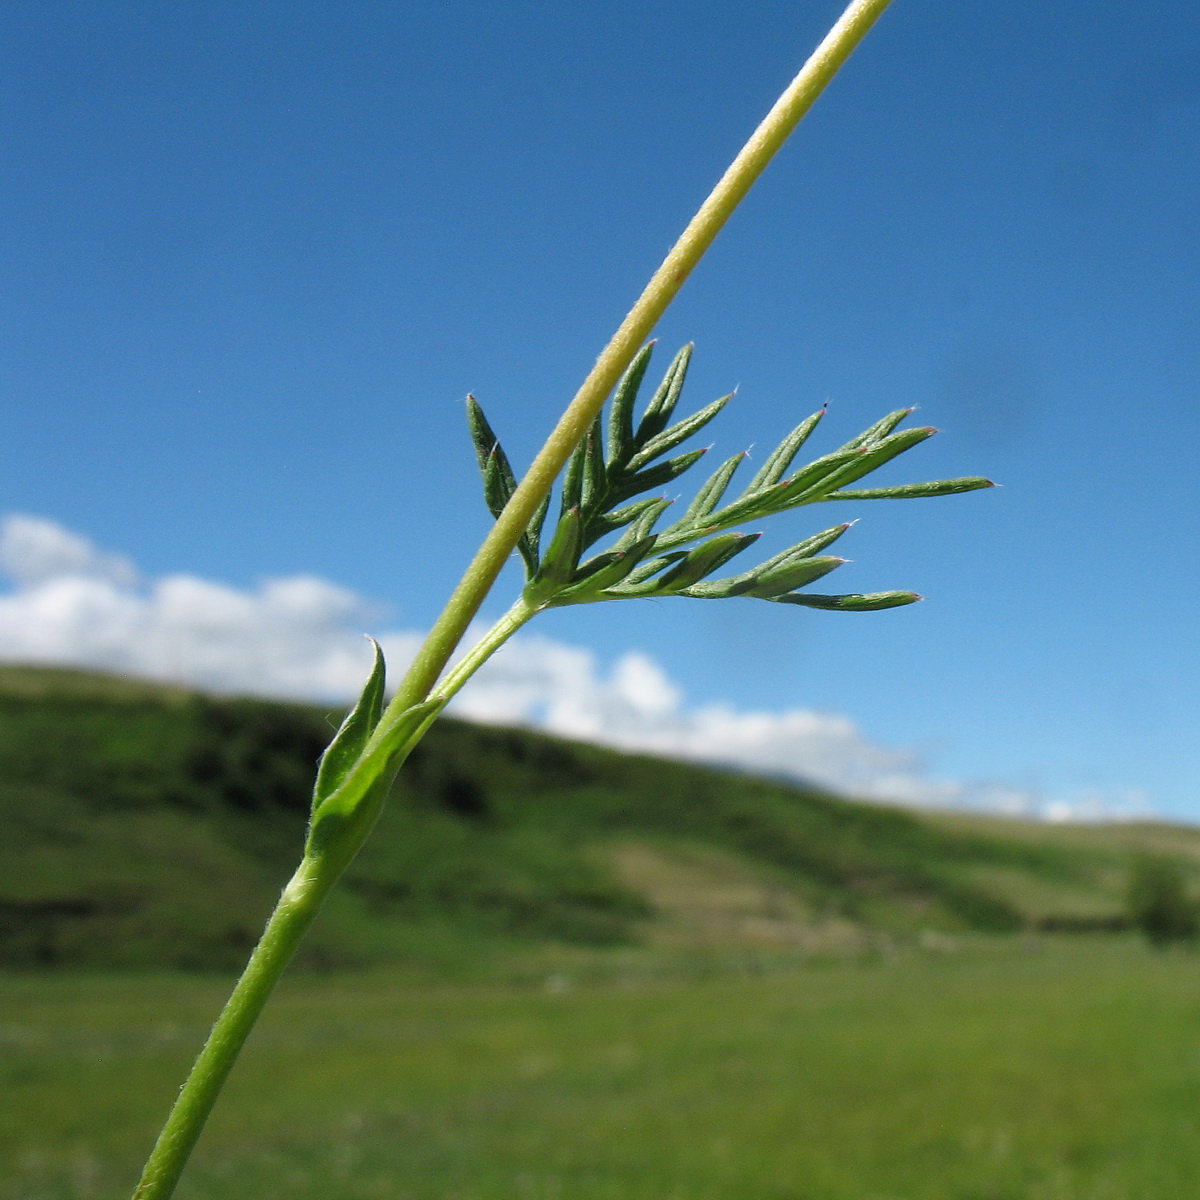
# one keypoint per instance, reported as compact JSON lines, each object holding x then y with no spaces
{"x":483,"y":649}
{"x":745,"y":169}
{"x":298,"y":906}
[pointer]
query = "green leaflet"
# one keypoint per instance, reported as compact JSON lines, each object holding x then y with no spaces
{"x":662,"y":403}
{"x":778,"y":497}
{"x":640,"y":516}
{"x":780,"y":459}
{"x":709,"y":496}
{"x":670,"y":438}
{"x":620,"y":413}
{"x":880,"y":429}
{"x":707,"y":557}
{"x":499,"y":482}
{"x":646,"y":571}
{"x":560,"y":560}
{"x":572,"y":484}
{"x":870,"y":602}
{"x":782,"y":574}
{"x":594,"y":482}
{"x":599,"y":574}
{"x":791,"y":575}
{"x":530,"y":542}
{"x":807,"y":548}
{"x":720,"y":589}
{"x":866,"y":460}
{"x":654,"y":477}
{"x":911,"y":491}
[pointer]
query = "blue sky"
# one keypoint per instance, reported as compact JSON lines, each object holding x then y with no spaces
{"x":254,"y":256}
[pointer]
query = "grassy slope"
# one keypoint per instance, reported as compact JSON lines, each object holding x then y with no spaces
{"x":146,"y":826}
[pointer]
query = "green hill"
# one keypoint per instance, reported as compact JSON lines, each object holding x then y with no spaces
{"x":148,"y":826}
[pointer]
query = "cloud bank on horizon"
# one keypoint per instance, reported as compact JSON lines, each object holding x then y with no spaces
{"x":301,"y":638}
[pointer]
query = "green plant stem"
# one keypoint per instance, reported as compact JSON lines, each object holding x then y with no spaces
{"x":743,"y":172}
{"x":483,"y":649}
{"x":303,"y":896}
{"x":297,"y":908}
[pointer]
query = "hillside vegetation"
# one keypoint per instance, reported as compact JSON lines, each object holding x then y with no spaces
{"x":149,"y":826}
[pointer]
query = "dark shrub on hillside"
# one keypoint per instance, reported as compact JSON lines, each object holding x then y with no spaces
{"x":1158,"y":901}
{"x":253,"y":755}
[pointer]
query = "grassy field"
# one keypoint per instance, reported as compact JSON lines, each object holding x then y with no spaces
{"x":561,"y":972}
{"x":1049,"y":1069}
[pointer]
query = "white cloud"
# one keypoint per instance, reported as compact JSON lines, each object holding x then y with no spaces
{"x":563,"y":690}
{"x":301,"y":638}
{"x":34,"y":550}
{"x":73,"y":605}
{"x":635,"y":706}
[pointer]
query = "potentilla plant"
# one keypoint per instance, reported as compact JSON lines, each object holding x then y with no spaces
{"x":615,"y":537}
